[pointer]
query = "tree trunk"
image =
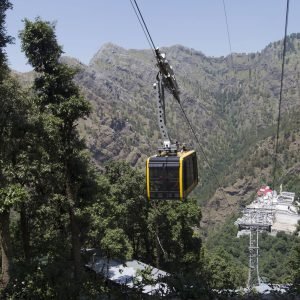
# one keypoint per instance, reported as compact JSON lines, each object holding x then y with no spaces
{"x":5,"y":249}
{"x":75,"y":232}
{"x":148,"y":247}
{"x":25,"y":233}
{"x":76,"y":246}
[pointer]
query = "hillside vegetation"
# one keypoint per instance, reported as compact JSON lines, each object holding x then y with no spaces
{"x":233,"y":109}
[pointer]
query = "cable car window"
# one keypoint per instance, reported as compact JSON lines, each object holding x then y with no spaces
{"x":172,"y":179}
{"x":188,"y":173}
{"x":184,"y":175}
{"x":155,"y":172}
{"x":157,"y":185}
{"x":164,"y":179}
{"x":157,"y":179}
{"x":195,"y":168}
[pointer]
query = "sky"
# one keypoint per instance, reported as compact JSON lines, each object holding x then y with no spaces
{"x":82,"y":27}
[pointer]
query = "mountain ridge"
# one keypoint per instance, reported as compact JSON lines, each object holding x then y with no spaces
{"x":232,"y":107}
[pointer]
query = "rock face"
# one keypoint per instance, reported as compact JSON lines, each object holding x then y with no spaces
{"x":227,"y":201}
{"x":231,"y":108}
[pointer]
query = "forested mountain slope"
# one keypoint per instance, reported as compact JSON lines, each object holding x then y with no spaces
{"x":232,"y":104}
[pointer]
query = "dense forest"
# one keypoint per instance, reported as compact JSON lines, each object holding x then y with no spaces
{"x":55,"y":201}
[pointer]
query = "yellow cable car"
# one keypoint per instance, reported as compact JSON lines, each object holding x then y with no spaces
{"x":171,"y":177}
{"x":172,"y":173}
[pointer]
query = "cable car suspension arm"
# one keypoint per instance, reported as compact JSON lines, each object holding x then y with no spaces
{"x":165,"y":79}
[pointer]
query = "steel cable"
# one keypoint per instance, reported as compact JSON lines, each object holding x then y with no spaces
{"x":280,"y":94}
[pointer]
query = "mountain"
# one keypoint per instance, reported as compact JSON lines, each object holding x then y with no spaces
{"x":232,"y":103}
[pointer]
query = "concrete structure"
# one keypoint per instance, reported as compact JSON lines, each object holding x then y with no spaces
{"x":269,"y":209}
{"x":268,"y":212}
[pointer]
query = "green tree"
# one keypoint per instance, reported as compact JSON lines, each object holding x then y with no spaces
{"x":12,"y":127}
{"x":120,"y":196}
{"x":127,"y":197}
{"x":61,"y":106}
{"x":294,"y":264}
{"x":222,"y":271}
{"x":173,"y":227}
{"x":4,"y":38}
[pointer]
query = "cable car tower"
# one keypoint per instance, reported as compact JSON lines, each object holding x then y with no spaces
{"x":255,"y":220}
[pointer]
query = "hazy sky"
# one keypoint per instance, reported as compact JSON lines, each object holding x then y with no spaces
{"x":82,"y":27}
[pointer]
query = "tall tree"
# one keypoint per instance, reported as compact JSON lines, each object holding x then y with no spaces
{"x":62,"y":106}
{"x":13,"y":124}
{"x":4,"y":38}
{"x":10,"y":132}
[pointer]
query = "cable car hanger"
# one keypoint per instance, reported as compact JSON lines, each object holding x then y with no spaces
{"x":165,"y":78}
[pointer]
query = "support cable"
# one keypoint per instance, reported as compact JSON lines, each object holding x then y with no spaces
{"x":202,"y":150}
{"x":280,"y":94}
{"x":149,"y":39}
{"x":228,"y":35}
{"x":144,"y":23}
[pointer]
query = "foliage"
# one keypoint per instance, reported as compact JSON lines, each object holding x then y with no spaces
{"x":226,"y":257}
{"x":163,"y":234}
{"x":275,"y":255}
{"x":294,"y":265}
{"x":60,"y":203}
{"x":115,"y":244}
{"x":13,"y":128}
{"x":222,"y":270}
{"x":4,"y":38}
{"x":11,"y":195}
{"x":40,"y":46}
{"x":174,"y":226}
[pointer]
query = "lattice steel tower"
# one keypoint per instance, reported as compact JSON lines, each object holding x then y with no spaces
{"x":253,"y":275}
{"x":255,"y":220}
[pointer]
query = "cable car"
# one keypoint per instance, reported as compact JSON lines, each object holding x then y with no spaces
{"x":172,"y":176}
{"x":173,"y":172}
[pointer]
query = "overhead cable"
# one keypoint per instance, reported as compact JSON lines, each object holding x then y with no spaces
{"x":141,"y":21}
{"x":228,"y":34}
{"x":201,"y":149}
{"x":280,"y":94}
